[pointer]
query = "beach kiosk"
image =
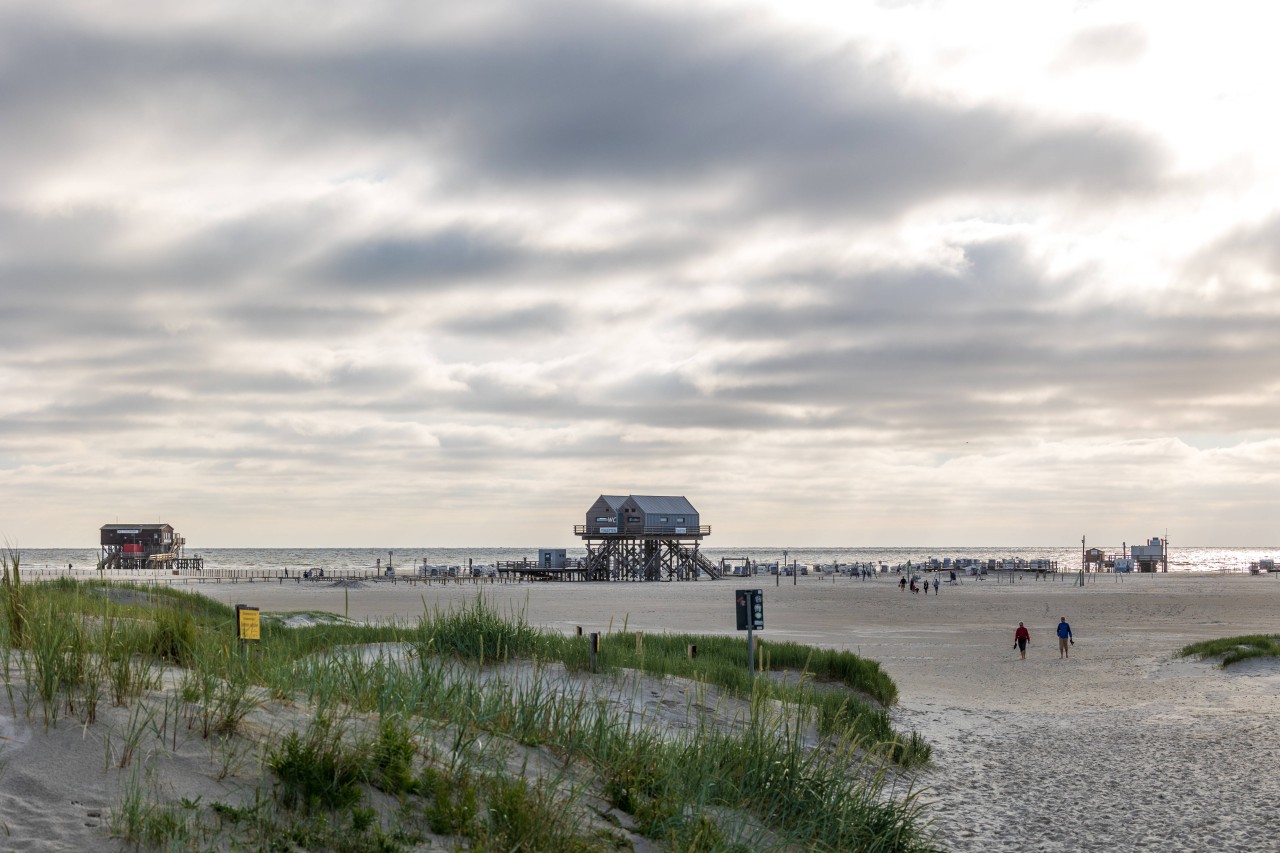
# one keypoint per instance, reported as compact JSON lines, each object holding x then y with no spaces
{"x":1152,"y":557}
{"x":644,"y":538}
{"x":552,"y":558}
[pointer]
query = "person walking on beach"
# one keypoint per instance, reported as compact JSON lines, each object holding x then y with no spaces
{"x":1022,"y":639}
{"x":902,"y":583}
{"x":1065,"y":640}
{"x":936,"y":584}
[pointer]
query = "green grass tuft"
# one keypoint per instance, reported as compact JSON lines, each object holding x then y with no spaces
{"x":315,"y":770}
{"x":1235,"y":649}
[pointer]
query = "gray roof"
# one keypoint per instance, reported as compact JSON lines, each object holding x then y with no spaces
{"x":669,"y":504}
{"x":614,"y":501}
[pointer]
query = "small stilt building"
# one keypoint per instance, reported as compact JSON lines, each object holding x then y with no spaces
{"x":644,"y":538}
{"x":135,"y":547}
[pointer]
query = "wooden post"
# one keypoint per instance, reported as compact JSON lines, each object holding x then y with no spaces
{"x":579,"y":630}
{"x":595,"y":648}
{"x":692,"y":651}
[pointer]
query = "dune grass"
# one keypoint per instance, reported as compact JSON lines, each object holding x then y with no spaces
{"x":494,"y":764}
{"x":1235,"y":649}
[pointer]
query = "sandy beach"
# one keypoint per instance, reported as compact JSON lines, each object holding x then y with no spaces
{"x":1122,"y":747}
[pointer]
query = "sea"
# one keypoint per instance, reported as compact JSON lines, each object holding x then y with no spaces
{"x":1181,"y":559}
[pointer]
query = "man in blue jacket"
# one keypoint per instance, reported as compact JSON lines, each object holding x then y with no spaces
{"x":1065,"y":640}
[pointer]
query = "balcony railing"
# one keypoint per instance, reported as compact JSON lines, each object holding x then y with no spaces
{"x":636,"y":530}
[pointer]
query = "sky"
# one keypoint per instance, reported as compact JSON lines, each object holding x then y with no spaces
{"x":399,"y":273}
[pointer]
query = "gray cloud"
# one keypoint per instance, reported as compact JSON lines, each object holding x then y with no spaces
{"x":921,"y":346}
{"x":607,"y":97}
{"x":546,"y":322}
{"x":579,"y":243}
{"x":453,"y":256}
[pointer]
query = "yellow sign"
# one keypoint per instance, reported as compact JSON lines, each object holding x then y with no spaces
{"x":250,"y":625}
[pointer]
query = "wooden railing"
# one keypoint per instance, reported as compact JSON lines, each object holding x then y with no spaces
{"x":675,"y":531}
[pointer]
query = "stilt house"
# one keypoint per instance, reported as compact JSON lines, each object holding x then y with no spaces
{"x":137,"y":546}
{"x":644,"y":538}
{"x":639,"y":515}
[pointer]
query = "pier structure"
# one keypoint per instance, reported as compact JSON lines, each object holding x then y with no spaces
{"x":137,"y":547}
{"x":644,"y":538}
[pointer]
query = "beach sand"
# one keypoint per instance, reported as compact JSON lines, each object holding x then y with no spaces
{"x":1123,"y":747}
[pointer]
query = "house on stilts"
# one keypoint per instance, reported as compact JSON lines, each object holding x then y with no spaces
{"x":644,"y":538}
{"x":135,"y":547}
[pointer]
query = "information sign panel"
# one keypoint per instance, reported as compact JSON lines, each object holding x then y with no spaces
{"x":248,"y":623}
{"x":750,"y":609}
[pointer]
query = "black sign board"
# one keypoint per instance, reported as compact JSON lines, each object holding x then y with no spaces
{"x":750,"y":606}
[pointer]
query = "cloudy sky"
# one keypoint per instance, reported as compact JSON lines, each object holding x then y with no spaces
{"x":395,"y":273}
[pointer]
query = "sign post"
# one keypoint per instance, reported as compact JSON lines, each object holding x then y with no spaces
{"x":248,"y":626}
{"x":750,"y":610}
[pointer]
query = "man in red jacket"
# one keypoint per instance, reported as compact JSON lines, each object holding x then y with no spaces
{"x":1021,"y":639}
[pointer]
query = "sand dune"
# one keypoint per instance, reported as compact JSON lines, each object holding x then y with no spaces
{"x":1122,"y":747}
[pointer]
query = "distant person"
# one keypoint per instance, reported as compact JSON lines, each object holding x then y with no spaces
{"x":914,"y":588}
{"x":953,"y":575}
{"x":936,"y":583}
{"x":1065,"y":640}
{"x":1022,"y":639}
{"x":902,"y":583}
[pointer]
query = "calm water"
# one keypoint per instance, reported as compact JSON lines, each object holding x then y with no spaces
{"x":1181,"y":559}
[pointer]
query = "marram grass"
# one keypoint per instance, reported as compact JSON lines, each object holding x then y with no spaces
{"x":1236,"y":649}
{"x":435,"y":732}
